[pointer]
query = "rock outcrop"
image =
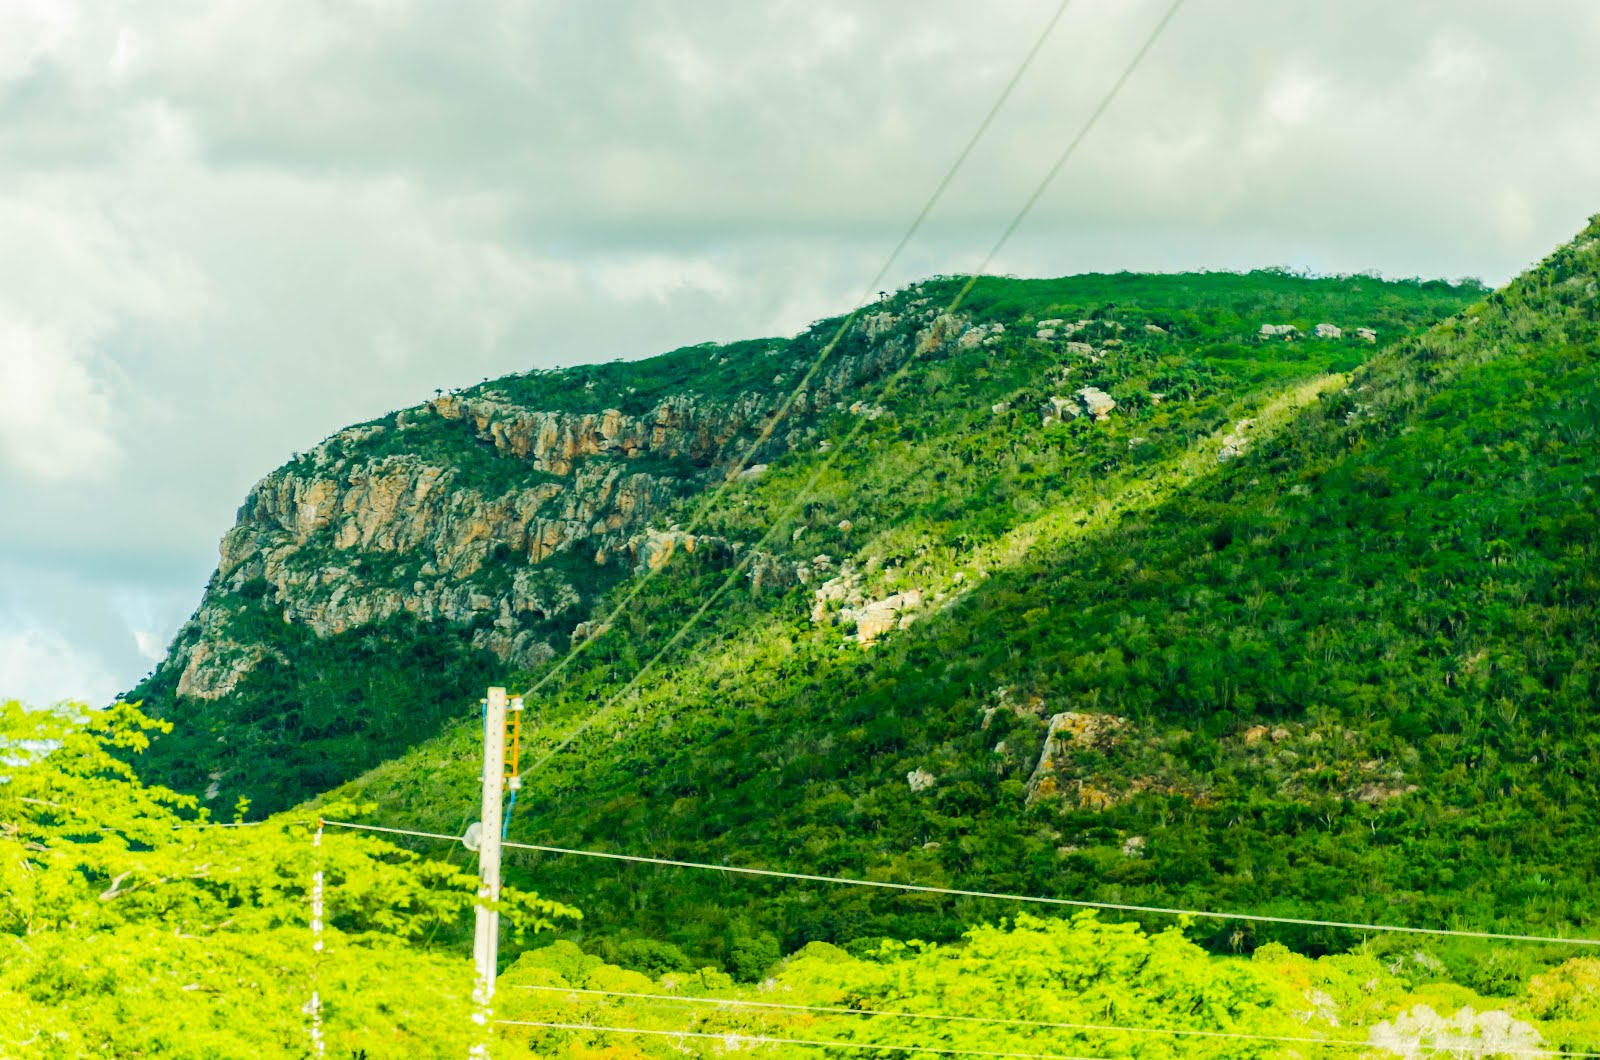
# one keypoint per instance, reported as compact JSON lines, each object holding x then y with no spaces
{"x":390,"y":519}
{"x":1072,"y":730}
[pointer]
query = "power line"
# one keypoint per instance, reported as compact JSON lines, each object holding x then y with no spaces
{"x":957,"y":892}
{"x":1287,"y":1039}
{"x":893,"y":381}
{"x":737,"y":1039}
{"x":827,"y":350}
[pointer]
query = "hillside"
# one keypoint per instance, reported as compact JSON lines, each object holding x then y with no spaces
{"x":376,"y":583}
{"x":1282,"y":639}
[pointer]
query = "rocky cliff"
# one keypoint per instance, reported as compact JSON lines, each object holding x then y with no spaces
{"x":373,"y":584}
{"x":383,"y":519}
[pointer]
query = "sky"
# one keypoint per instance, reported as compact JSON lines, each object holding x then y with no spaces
{"x":228,"y":229}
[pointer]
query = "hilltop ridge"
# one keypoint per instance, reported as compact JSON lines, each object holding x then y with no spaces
{"x":474,"y":535}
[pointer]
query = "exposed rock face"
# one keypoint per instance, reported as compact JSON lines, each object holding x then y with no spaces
{"x":1059,"y":409}
{"x":1284,"y":331}
{"x":214,"y":668}
{"x":875,"y":619}
{"x":390,"y":519}
{"x":1328,"y":331}
{"x":1099,"y":403}
{"x":1236,"y":443}
{"x":1071,"y":730}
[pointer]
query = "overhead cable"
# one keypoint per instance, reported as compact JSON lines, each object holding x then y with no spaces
{"x":734,"y":1040}
{"x":958,"y":892}
{"x":826,"y":464}
{"x":777,"y":417}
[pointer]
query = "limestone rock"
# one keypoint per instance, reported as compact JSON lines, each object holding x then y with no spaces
{"x":1059,"y":409}
{"x":875,"y":619}
{"x":1327,"y":331}
{"x":1236,"y":443}
{"x":1099,"y":403}
{"x":370,"y":526}
{"x":1070,"y":730}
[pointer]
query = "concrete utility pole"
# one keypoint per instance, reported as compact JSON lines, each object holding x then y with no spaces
{"x":486,"y":940}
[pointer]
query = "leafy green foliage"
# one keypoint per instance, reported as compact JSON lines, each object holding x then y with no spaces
{"x":939,"y":474}
{"x":134,"y":926}
{"x":1355,"y":666}
{"x":317,"y":711}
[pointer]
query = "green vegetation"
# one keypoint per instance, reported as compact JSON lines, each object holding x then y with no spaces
{"x":940,"y":474}
{"x":1396,"y":583}
{"x":320,"y":710}
{"x":1302,"y":628}
{"x":131,"y":928}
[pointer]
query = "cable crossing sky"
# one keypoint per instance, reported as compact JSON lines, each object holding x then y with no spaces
{"x":800,"y":387}
{"x":826,"y":464}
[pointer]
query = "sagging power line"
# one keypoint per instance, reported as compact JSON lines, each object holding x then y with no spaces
{"x":735,"y":1039}
{"x":737,"y":573}
{"x":959,"y":892}
{"x":802,"y":386}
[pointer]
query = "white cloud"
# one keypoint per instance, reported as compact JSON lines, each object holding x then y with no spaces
{"x":41,"y":668}
{"x":658,"y":276}
{"x":151,"y":646}
{"x":55,"y":417}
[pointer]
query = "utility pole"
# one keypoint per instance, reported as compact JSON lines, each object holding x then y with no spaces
{"x":486,"y":940}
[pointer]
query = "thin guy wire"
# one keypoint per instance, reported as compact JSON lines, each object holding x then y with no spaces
{"x":1287,"y":1039}
{"x":894,"y":380}
{"x":736,"y":1038}
{"x":956,"y":892}
{"x":703,"y":511}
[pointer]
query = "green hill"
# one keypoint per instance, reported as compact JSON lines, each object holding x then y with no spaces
{"x":1297,"y":625}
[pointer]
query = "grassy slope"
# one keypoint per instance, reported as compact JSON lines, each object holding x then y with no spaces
{"x":1397,"y":577}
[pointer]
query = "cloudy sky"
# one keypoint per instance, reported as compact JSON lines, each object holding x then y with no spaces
{"x":227,"y":228}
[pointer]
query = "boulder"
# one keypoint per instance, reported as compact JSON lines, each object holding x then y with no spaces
{"x":1236,"y":443}
{"x":875,"y":619}
{"x":1097,"y":401}
{"x":1059,"y":409}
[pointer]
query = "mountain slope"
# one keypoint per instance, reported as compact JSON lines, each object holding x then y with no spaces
{"x":1350,"y":669}
{"x":374,"y":584}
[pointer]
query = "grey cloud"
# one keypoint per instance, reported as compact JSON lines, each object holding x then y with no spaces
{"x":240,"y":227}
